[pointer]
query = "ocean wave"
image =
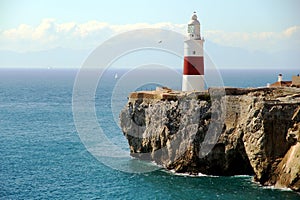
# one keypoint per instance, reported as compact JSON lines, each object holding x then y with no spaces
{"x":188,"y":174}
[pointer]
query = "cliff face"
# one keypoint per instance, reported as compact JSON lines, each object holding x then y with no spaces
{"x":223,"y":132}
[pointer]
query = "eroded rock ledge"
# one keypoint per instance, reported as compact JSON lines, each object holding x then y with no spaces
{"x":220,"y":132}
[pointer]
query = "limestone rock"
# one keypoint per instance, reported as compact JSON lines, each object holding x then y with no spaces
{"x":220,"y":132}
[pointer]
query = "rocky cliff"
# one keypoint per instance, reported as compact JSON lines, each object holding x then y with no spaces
{"x":219,"y":132}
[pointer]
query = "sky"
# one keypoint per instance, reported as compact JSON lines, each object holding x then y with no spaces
{"x":268,"y":26}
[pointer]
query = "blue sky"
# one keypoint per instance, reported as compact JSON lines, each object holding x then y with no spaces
{"x":229,"y":15}
{"x":268,"y":26}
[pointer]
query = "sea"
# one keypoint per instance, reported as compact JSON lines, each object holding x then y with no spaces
{"x":43,"y":155}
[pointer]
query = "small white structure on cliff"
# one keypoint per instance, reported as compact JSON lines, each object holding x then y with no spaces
{"x":193,"y":67}
{"x":280,"y":83}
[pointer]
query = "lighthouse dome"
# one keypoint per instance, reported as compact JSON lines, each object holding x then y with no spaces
{"x":194,"y":16}
{"x":194,"y":20}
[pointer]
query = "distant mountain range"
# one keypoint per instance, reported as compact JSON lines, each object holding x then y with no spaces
{"x":222,"y":56}
{"x":233,"y":57}
{"x":58,"y":57}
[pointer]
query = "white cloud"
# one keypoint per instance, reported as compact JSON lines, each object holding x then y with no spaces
{"x":49,"y":34}
{"x":262,"y":41}
{"x":293,"y":32}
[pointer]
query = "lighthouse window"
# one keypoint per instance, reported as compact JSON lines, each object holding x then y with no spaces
{"x":194,"y":52}
{"x":191,"y":28}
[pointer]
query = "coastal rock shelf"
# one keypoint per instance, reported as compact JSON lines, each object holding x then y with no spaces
{"x":229,"y":131}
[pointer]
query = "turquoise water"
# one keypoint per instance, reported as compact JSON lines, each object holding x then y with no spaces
{"x":42,"y":156}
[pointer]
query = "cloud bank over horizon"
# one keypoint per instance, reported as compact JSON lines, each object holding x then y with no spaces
{"x":51,"y":34}
{"x":51,"y":43}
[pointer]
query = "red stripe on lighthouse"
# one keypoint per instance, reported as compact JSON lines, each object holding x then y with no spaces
{"x":193,"y":65}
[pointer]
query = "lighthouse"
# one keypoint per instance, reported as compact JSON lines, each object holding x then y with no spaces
{"x":193,"y":66}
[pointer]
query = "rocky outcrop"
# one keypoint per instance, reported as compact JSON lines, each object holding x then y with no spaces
{"x":220,"y":132}
{"x":287,"y":173}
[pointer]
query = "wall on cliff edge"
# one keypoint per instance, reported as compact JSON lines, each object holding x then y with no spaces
{"x":240,"y":131}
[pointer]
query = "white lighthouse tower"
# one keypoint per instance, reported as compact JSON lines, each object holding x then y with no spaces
{"x":193,"y":66}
